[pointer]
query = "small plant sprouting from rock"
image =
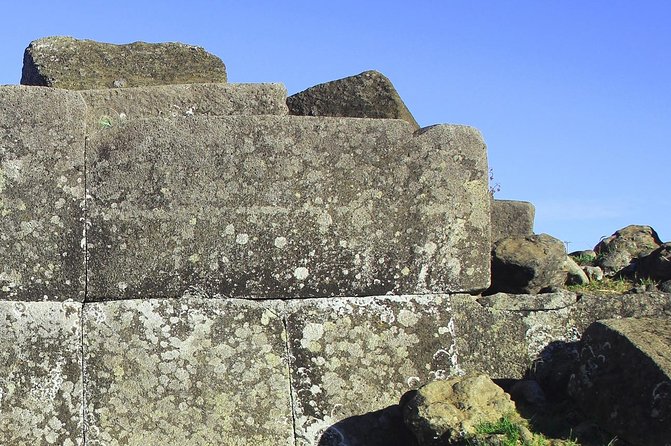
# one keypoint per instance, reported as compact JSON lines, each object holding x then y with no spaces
{"x":493,"y":187}
{"x":105,"y":122}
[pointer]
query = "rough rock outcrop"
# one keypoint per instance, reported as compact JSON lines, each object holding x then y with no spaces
{"x":512,"y":218}
{"x":574,"y":274}
{"x":65,"y":62}
{"x":366,"y":95}
{"x":625,"y":246}
{"x":447,"y":412}
{"x":528,"y":265}
{"x":623,"y":378}
{"x":656,"y":265}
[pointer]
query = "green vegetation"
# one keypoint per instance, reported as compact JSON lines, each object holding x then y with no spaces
{"x":607,"y":285}
{"x":105,"y":122}
{"x":584,"y":259}
{"x":510,"y":433}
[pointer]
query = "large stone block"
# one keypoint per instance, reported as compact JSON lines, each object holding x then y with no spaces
{"x":107,"y":107}
{"x":353,"y":359}
{"x":40,"y":374}
{"x":186,"y":372}
{"x":41,"y":194}
{"x":512,"y":218}
{"x":269,"y":206}
{"x":64,"y":62}
{"x":366,"y":95}
{"x":623,"y":378}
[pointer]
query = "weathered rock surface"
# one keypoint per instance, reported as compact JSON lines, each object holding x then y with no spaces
{"x":447,"y":412}
{"x":40,"y":374}
{"x":189,"y":371}
{"x":107,"y":107}
{"x":528,"y":265}
{"x":65,"y":62}
{"x":512,"y":218}
{"x":624,"y":378}
{"x":366,"y":95}
{"x":41,"y":194}
{"x":574,"y":274}
{"x":267,"y":206}
{"x":625,"y":246}
{"x":656,"y":265}
{"x":352,"y":357}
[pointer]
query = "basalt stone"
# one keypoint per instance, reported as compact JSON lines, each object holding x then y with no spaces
{"x":64,"y":62}
{"x":623,"y":378}
{"x":512,"y":218}
{"x":656,"y":265}
{"x":106,"y":107}
{"x":366,"y":95}
{"x":186,"y":371}
{"x":619,"y":252}
{"x":40,"y":374}
{"x":42,"y":134}
{"x":353,"y":358}
{"x":266,"y":206}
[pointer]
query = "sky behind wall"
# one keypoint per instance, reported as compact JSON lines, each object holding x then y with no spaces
{"x":573,"y":97}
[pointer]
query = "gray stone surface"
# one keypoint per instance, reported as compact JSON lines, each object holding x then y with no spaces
{"x":40,"y":374}
{"x":106,"y":107}
{"x":41,"y":194}
{"x":623,"y":378}
{"x":366,"y":95}
{"x":187,"y":371}
{"x":616,"y":253}
{"x":531,"y":264}
{"x":352,"y":357}
{"x":656,"y":265}
{"x":270,"y":206}
{"x":65,"y":62}
{"x":512,"y":218}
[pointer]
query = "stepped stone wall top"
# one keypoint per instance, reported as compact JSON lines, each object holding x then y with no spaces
{"x":65,"y":62}
{"x":108,"y":107}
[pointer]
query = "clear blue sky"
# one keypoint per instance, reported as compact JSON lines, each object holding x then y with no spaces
{"x":573,"y":97}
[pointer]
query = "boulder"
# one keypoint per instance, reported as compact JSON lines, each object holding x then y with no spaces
{"x":656,"y":265}
{"x":574,"y":274}
{"x":512,"y":218}
{"x":623,"y":378}
{"x":65,"y":62}
{"x":528,"y":265}
{"x":625,"y":246}
{"x":447,"y":412}
{"x":593,"y":273}
{"x":366,"y":95}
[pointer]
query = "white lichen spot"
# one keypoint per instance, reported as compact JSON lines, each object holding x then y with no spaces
{"x":405,"y":271}
{"x":280,"y":242}
{"x":193,"y":221}
{"x":266,"y":317}
{"x":312,"y":333}
{"x":342,"y":243}
{"x":230,"y":229}
{"x":413,"y":382}
{"x":122,"y":286}
{"x":407,"y":318}
{"x":325,"y":219}
{"x":301,"y":273}
{"x":194,"y":258}
{"x":430,"y":248}
{"x":242,"y":239}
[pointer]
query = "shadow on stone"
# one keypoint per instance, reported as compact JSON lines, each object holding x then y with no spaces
{"x":382,"y":427}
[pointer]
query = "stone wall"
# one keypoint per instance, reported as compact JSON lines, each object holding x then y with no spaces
{"x":191,"y":265}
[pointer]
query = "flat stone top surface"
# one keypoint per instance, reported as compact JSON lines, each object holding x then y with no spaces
{"x":272,"y":206}
{"x":65,"y":62}
{"x":108,"y":107}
